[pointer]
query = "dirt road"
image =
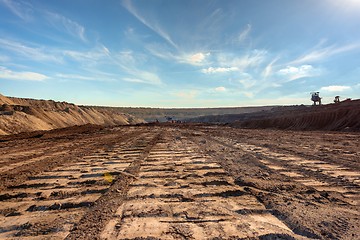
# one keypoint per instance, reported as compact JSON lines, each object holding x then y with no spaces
{"x":179,"y":182}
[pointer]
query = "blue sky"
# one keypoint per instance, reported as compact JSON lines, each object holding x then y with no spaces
{"x":180,"y":53}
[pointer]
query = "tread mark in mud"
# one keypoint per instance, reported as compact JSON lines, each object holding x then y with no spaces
{"x":62,"y":195}
{"x":195,"y":199}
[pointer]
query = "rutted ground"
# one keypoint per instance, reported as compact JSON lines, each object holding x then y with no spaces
{"x":183,"y":194}
{"x":179,"y":182}
{"x":50,"y":203}
{"x":308,"y":179}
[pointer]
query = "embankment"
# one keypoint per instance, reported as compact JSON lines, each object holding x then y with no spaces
{"x":24,"y":115}
{"x":344,"y":116}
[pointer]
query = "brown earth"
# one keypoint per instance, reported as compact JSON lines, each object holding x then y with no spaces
{"x":179,"y":182}
{"x":344,"y":116}
{"x":24,"y":115}
{"x":161,"y":114}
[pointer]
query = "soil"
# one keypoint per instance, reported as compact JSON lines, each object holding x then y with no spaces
{"x":19,"y":115}
{"x":185,"y":181}
{"x":343,"y":116}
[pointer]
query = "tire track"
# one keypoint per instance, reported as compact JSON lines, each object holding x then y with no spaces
{"x":306,"y":210}
{"x":184,"y":194}
{"x":95,"y":218}
{"x":49,"y":204}
{"x":317,"y":174}
{"x":77,"y":148}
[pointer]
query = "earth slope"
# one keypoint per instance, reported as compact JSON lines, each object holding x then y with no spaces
{"x":344,"y":116}
{"x":23,"y":115}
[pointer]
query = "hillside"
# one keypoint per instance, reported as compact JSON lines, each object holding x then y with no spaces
{"x":334,"y":117}
{"x":23,"y":115}
{"x":160,"y":114}
{"x":344,"y":116}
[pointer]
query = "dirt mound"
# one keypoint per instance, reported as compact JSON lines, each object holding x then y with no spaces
{"x":5,"y":100}
{"x":23,"y":115}
{"x":344,"y":116}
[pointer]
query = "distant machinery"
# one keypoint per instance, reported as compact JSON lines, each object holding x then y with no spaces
{"x":337,"y":99}
{"x":168,"y":119}
{"x":315,"y":97}
{"x":171,"y":120}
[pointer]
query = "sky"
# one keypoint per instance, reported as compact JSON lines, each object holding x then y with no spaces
{"x":180,"y":53}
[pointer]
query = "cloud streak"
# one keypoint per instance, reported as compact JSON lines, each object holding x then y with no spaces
{"x":220,"y":89}
{"x":129,"y":63}
{"x":196,"y":58}
{"x":25,"y":76}
{"x":154,"y":27}
{"x":324,"y":53}
{"x":212,"y":70}
{"x":189,"y":95}
{"x":139,"y":76}
{"x":293,"y":73}
{"x":21,"y":9}
{"x":269,"y":69}
{"x":78,"y":77}
{"x":254,"y":59}
{"x":65,"y":24}
{"x":335,"y":88}
{"x":245,"y":33}
{"x":32,"y":53}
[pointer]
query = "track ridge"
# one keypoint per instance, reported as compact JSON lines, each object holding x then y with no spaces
{"x":22,"y":172}
{"x":96,"y":216}
{"x":183,"y":194}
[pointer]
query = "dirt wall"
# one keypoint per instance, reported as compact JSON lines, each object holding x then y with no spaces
{"x":344,"y":116}
{"x":23,"y":115}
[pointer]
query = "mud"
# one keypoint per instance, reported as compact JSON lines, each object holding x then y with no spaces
{"x":180,"y":182}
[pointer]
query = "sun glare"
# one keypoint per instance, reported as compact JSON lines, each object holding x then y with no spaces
{"x":351,"y":3}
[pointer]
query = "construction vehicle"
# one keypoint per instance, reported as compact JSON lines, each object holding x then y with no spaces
{"x":315,"y":97}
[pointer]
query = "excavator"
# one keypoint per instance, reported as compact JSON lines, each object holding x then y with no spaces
{"x":315,"y":97}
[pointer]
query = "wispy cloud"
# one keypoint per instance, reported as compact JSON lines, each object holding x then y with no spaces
{"x":22,"y":9}
{"x":292,"y":73}
{"x":130,"y":64}
{"x":4,"y":58}
{"x":213,"y":20}
{"x":91,"y":56}
{"x":63,"y":23}
{"x":153,"y":26}
{"x":189,"y":95}
{"x":245,"y":33}
{"x":335,"y":88}
{"x":269,"y":68}
{"x":78,"y":77}
{"x":254,"y":59}
{"x":324,"y":53}
{"x":127,"y":66}
{"x":247,"y":81}
{"x":196,"y":58}
{"x":25,"y":11}
{"x":32,"y":53}
{"x":26,"y":76}
{"x":220,"y":89}
{"x":143,"y":77}
{"x":211,"y":70}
